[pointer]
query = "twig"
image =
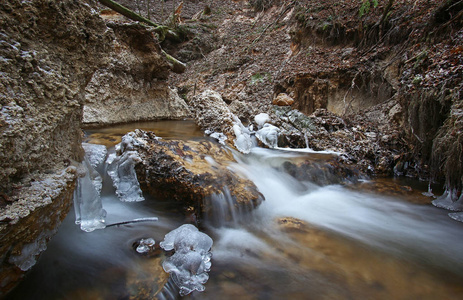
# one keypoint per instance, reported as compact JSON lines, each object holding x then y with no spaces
{"x":153,"y":219}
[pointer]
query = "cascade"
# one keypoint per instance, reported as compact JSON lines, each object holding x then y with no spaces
{"x":326,"y":238}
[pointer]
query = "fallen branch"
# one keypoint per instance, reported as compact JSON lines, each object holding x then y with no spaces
{"x":163,"y":32}
{"x":140,"y":220}
{"x":175,"y":65}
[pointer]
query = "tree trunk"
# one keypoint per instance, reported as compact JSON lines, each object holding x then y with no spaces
{"x":164,"y":32}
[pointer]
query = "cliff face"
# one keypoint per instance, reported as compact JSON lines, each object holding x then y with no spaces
{"x":132,"y":86}
{"x":60,"y":62}
{"x":48,"y":53}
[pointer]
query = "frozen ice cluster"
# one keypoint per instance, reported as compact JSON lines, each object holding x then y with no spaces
{"x":243,"y":141}
{"x":145,"y":245}
{"x":191,"y":262}
{"x":266,"y":133}
{"x":96,"y":154}
{"x":245,"y":135}
{"x":121,"y":169}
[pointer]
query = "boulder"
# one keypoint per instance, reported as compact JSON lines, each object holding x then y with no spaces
{"x":191,"y":173}
{"x":283,"y":100}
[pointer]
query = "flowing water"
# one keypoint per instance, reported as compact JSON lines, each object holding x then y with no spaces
{"x":304,"y":242}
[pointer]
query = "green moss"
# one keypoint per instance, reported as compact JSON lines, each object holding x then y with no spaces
{"x":260,"y":77}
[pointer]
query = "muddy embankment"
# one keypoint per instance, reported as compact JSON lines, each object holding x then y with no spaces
{"x":380,"y":83}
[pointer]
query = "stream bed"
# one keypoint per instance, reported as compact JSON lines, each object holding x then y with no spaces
{"x":378,"y":239}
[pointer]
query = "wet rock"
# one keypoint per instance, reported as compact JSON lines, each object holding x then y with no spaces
{"x":190,"y":172}
{"x":215,"y":118}
{"x":27,"y":224}
{"x":323,"y":172}
{"x":147,"y":279}
{"x":211,"y":113}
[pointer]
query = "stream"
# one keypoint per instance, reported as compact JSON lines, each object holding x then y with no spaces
{"x":305,"y":241}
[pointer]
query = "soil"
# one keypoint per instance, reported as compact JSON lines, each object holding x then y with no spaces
{"x":391,"y":74}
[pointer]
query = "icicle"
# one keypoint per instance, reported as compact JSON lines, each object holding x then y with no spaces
{"x":87,"y":202}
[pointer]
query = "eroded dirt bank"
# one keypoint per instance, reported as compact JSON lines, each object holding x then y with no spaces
{"x":381,"y":83}
{"x":48,"y":53}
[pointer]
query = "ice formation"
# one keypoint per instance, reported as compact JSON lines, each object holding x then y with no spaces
{"x":449,"y":200}
{"x":243,"y":141}
{"x":457,"y":216}
{"x":268,"y":135}
{"x":145,"y":245}
{"x":29,"y":252}
{"x":96,"y":154}
{"x":220,"y":137}
{"x":191,"y":262}
{"x":121,"y":169}
{"x":261,"y":119}
{"x":87,"y":202}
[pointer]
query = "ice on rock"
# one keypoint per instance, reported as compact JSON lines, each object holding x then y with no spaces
{"x":28,"y":256}
{"x":87,"y":202}
{"x":121,"y":169}
{"x":268,"y":134}
{"x":449,"y":200}
{"x":243,"y":141}
{"x":220,"y":137}
{"x":96,"y":154}
{"x":192,"y":258}
{"x":261,"y":119}
{"x":457,"y":216}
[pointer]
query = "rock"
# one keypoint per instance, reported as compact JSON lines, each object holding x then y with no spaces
{"x":212,"y":113}
{"x":26,"y":225}
{"x":215,"y":118}
{"x":191,"y":173}
{"x":283,"y":100}
{"x":132,"y":85}
{"x":49,"y":51}
{"x":148,"y":279}
{"x":322,"y":172}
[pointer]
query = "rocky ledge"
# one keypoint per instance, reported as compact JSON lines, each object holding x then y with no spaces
{"x":191,"y":173}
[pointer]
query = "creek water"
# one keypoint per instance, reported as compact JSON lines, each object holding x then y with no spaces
{"x":370,"y":240}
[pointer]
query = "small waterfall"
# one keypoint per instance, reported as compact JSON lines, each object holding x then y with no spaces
{"x":223,"y":210}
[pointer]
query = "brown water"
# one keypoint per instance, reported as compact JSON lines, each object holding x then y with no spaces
{"x":304,"y":241}
{"x":111,"y":135}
